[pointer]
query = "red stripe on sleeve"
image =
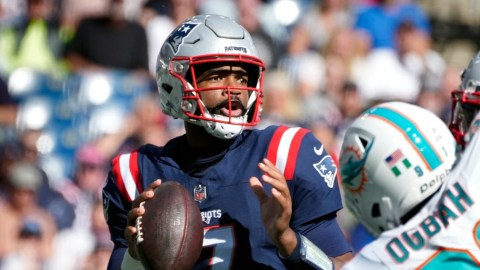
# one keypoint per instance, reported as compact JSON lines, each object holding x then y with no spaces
{"x":119,"y":179}
{"x":293,"y":153}
{"x":134,"y":170}
{"x":274,"y":143}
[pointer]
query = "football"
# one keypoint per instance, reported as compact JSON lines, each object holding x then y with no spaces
{"x":170,"y":233}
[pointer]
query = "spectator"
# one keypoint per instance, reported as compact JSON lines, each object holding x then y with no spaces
{"x":181,"y":10}
{"x":83,"y":192}
{"x":98,"y":258}
{"x":351,"y":105}
{"x":159,"y":18}
{"x":305,"y":66}
{"x":8,"y":107}
{"x":158,"y":26}
{"x":108,"y":42}
{"x":379,"y":22}
{"x":248,"y":16}
{"x":34,"y":41}
{"x":281,"y":102}
{"x":85,"y":187}
{"x":417,"y":55}
{"x":381,"y":77}
{"x":336,"y":74}
{"x":146,"y":123}
{"x":323,"y":19}
{"x":344,"y":53}
{"x":26,"y":255}
{"x":20,"y":205}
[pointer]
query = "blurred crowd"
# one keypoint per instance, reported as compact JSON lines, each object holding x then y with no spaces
{"x":77,"y":87}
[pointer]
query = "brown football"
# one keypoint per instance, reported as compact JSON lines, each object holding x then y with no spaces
{"x":170,"y":233}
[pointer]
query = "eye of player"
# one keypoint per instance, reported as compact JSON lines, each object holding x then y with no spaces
{"x":221,"y":75}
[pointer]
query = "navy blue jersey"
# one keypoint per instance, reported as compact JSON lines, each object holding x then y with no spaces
{"x":234,"y":235}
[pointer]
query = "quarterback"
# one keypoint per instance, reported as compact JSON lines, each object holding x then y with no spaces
{"x":268,"y":197}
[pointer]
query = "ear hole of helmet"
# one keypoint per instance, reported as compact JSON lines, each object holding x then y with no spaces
{"x":376,"y":210}
{"x":364,"y":142}
{"x":167,"y":87}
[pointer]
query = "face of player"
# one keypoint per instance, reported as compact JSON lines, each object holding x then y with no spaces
{"x":228,"y":79}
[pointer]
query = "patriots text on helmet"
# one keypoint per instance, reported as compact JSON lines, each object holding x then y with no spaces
{"x":235,"y":49}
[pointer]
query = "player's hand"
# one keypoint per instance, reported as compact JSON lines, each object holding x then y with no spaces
{"x":276,"y":209}
{"x":137,"y":211}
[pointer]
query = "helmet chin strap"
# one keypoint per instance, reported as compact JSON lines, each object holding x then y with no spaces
{"x":223,"y":130}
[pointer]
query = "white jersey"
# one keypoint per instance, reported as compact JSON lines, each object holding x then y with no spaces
{"x":445,"y":234}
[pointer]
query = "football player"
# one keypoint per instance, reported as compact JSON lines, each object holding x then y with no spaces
{"x":394,"y":164}
{"x":268,"y":198}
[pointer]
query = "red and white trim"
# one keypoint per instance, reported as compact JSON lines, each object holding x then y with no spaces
{"x":125,"y":169}
{"x":284,"y":147}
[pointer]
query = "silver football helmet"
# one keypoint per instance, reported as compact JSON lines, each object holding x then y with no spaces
{"x":466,"y":101}
{"x":206,"y":40}
{"x":393,"y":158}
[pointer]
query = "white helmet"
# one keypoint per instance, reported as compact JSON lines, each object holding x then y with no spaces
{"x":393,"y":158}
{"x":208,"y":39}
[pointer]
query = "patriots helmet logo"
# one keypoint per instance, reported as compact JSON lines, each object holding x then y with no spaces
{"x":327,"y":169}
{"x":176,"y":38}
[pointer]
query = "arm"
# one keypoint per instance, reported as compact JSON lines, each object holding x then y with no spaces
{"x":115,"y":211}
{"x":120,"y":215}
{"x":116,"y":257}
{"x":276,"y":215}
{"x":131,"y":260}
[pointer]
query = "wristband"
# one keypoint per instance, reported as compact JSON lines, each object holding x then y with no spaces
{"x":307,"y":255}
{"x":129,"y":263}
{"x":314,"y":256}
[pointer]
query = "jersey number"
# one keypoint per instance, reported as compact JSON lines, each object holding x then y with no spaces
{"x":219,"y":245}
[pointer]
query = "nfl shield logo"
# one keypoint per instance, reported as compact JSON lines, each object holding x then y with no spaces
{"x":200,"y":193}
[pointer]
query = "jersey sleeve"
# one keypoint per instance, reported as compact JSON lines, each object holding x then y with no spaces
{"x":315,"y":186}
{"x":311,"y":174}
{"x":115,"y":210}
{"x":310,"y":171}
{"x":316,"y":198}
{"x":120,"y":189}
